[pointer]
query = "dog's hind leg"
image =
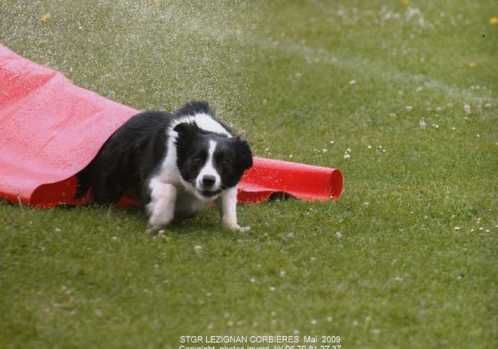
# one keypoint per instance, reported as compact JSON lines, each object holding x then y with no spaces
{"x":161,"y":208}
{"x":105,"y":191}
{"x":83,"y":182}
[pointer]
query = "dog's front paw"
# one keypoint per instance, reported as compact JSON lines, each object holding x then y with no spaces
{"x":243,"y":229}
{"x":155,"y":231}
{"x":236,"y":227}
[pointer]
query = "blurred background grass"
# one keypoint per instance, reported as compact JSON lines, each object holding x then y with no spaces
{"x":401,"y":95}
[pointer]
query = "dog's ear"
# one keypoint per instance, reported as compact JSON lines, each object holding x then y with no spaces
{"x":186,"y":134}
{"x":244,"y":154}
{"x":186,"y":129}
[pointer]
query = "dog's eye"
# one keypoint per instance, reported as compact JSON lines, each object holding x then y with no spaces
{"x":225,"y":163}
{"x":223,"y":160}
{"x":197,"y":160}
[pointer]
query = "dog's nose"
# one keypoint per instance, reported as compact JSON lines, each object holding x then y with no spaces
{"x":208,"y":181}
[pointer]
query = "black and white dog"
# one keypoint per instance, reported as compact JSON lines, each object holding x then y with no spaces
{"x":173,"y":163}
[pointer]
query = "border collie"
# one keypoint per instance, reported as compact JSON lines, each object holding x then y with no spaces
{"x":173,"y":163}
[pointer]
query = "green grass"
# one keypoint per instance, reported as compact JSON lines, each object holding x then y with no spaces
{"x":407,"y":258}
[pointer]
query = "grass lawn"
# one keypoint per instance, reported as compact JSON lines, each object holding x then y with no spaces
{"x":400,"y":95}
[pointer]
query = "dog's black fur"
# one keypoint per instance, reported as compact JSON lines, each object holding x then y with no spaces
{"x":127,"y":159}
{"x":135,"y":152}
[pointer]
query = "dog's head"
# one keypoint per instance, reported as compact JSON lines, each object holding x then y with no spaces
{"x":208,"y":162}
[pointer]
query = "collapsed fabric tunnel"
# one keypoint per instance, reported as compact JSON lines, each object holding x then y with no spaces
{"x":51,"y":129}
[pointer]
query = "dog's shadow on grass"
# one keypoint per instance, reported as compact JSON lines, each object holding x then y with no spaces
{"x":208,"y":221}
{"x":205,"y":222}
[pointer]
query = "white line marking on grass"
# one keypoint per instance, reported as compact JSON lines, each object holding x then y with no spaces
{"x":365,"y":67}
{"x":186,"y":21}
{"x":377,"y":70}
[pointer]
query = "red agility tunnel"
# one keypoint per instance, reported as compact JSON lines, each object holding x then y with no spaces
{"x":269,"y":177}
{"x":50,"y":129}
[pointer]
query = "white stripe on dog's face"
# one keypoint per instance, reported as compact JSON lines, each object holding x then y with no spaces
{"x":209,"y":171}
{"x":206,"y":122}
